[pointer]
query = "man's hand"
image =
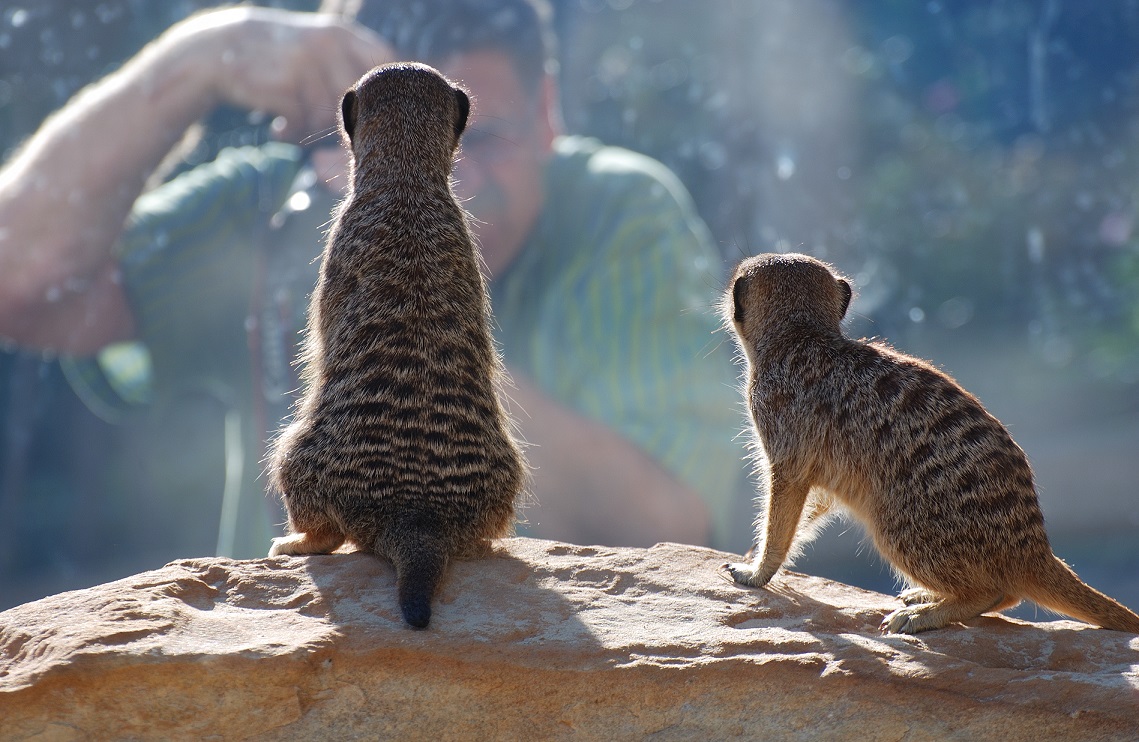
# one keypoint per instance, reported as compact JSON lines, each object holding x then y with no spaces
{"x":59,"y":284}
{"x":293,"y":65}
{"x":594,"y":487}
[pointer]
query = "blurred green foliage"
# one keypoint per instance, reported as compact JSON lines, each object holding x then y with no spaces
{"x":971,"y":163}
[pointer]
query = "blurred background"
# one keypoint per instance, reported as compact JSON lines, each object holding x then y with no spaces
{"x":973,"y":166}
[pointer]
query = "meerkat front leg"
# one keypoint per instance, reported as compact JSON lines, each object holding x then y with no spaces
{"x":781,"y":521}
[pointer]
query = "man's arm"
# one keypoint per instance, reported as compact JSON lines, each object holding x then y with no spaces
{"x":64,"y":197}
{"x":593,"y":485}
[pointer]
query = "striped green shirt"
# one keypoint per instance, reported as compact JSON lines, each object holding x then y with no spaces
{"x":607,"y":309}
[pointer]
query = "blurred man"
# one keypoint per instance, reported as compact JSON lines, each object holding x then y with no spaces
{"x":600,"y":272}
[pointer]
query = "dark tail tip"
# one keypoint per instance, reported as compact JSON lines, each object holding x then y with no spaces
{"x":416,"y":610}
{"x":418,"y":574}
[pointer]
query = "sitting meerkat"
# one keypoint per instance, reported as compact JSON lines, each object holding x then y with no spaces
{"x":944,"y":492}
{"x":400,"y":443}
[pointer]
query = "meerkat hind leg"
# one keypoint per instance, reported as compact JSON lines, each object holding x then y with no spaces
{"x":1008,"y":601}
{"x":918,"y":596}
{"x":941,"y":612}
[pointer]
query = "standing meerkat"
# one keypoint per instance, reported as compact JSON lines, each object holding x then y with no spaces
{"x":945,"y":493}
{"x":399,"y":443}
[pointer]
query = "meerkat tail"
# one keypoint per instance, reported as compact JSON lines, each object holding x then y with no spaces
{"x":1058,"y":588}
{"x":419,"y":567}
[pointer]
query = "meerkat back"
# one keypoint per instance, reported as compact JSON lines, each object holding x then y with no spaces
{"x":944,"y":492}
{"x":399,"y":443}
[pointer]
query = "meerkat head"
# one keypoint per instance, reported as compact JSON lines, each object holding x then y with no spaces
{"x":774,"y":291}
{"x":402,"y":112}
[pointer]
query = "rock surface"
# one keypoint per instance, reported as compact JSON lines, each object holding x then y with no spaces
{"x":542,"y":640}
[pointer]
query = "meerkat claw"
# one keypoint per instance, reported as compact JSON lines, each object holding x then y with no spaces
{"x":900,"y":621}
{"x":909,"y":620}
{"x":745,"y":574}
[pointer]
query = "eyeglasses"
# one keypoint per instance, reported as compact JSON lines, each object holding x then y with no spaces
{"x":490,"y":143}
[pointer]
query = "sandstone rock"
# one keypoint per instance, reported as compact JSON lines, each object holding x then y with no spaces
{"x":543,"y":640}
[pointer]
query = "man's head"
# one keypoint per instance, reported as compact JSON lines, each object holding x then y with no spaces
{"x":503,"y":52}
{"x":438,"y":29}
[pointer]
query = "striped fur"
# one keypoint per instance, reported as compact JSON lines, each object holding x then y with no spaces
{"x":400,"y":444}
{"x":944,"y":492}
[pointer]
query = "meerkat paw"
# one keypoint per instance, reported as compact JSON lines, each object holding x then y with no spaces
{"x":902,"y":621}
{"x":918,"y":596}
{"x":299,"y":544}
{"x":912,"y":619}
{"x":747,"y":574}
{"x":285,"y":545}
{"x":941,"y":612}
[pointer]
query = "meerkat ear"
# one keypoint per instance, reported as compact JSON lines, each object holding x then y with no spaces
{"x":844,"y":289}
{"x":737,"y":300}
{"x":464,"y":111}
{"x":348,"y":113}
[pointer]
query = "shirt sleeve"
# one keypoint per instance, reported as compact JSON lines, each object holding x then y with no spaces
{"x":187,"y":258}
